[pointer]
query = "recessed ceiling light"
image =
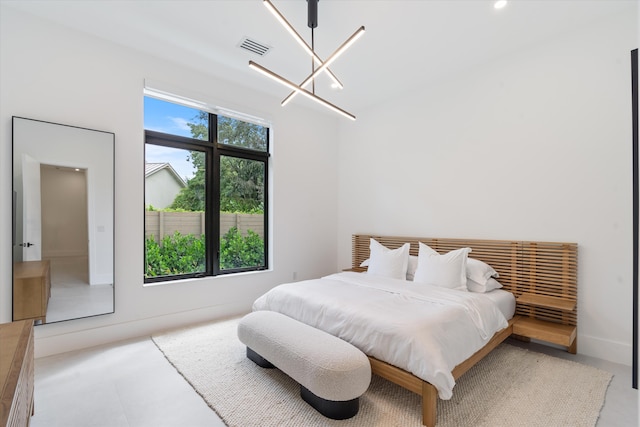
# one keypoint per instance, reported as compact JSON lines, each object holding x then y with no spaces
{"x":500,"y":4}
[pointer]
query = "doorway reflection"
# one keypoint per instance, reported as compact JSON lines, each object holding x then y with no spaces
{"x":65,"y":245}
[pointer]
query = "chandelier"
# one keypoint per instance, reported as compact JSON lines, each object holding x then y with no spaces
{"x":317,"y":64}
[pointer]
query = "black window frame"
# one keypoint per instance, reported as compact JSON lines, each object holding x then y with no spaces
{"x":213,"y":152}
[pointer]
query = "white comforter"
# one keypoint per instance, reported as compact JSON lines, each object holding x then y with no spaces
{"x":425,"y":330}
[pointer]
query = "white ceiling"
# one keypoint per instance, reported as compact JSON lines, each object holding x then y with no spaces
{"x":406,"y":43}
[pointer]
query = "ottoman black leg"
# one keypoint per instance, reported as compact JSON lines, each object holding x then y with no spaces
{"x":259,"y":360}
{"x":336,"y":410}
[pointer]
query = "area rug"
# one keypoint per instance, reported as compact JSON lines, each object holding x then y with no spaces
{"x":510,"y":387}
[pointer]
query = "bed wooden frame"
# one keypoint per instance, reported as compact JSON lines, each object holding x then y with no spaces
{"x":525,"y":268}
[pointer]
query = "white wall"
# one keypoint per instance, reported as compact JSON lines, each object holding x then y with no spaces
{"x":536,"y":146}
{"x":51,"y":73}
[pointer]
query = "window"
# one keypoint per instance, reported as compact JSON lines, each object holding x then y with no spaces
{"x":205,"y":192}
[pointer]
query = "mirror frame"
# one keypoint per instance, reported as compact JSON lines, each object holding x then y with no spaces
{"x":99,"y":179}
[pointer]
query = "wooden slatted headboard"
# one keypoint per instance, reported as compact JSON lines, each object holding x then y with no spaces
{"x":525,"y":268}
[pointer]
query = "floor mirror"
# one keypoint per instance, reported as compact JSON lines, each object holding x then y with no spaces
{"x":63,"y":221}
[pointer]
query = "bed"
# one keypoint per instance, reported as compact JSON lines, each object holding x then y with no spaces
{"x":387,"y":317}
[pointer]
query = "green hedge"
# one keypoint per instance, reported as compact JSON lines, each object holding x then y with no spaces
{"x":178,"y":254}
{"x":237,"y":251}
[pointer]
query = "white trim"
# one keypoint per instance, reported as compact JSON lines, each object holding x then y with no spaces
{"x":613,"y":351}
{"x":166,"y":93}
{"x":49,"y":340}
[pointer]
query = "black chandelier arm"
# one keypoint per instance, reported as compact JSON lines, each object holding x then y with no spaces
{"x":317,"y":64}
{"x":302,"y":91}
{"x":311,"y":78}
{"x":300,"y":40}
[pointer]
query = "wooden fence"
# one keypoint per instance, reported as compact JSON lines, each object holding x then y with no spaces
{"x":159,"y":224}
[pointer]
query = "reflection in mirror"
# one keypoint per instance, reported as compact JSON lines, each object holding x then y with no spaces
{"x":63,"y":230}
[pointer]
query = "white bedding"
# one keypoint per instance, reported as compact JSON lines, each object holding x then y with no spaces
{"x":425,"y":330}
{"x":505,"y":300}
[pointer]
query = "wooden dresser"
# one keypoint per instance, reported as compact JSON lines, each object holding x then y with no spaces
{"x":31,"y":290}
{"x":16,"y":373}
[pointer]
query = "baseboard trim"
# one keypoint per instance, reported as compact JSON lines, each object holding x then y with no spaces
{"x":102,"y":279}
{"x":612,"y":351}
{"x":56,"y":338}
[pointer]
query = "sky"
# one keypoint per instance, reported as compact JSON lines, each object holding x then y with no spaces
{"x":162,"y":116}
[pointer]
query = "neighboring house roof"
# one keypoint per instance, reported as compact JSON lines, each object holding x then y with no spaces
{"x":152,"y":168}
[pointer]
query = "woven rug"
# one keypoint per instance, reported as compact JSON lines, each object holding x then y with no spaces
{"x":509,"y":387}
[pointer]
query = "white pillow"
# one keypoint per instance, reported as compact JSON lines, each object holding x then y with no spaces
{"x":411,"y":266}
{"x":447,"y":271}
{"x":479,"y":271}
{"x":490,"y":285}
{"x":388,"y":262}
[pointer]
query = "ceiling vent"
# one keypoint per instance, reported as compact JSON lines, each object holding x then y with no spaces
{"x":254,"y":47}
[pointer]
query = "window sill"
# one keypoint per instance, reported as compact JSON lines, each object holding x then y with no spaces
{"x":191,"y":280}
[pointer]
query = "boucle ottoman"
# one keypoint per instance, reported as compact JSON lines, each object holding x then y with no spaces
{"x":332,"y":373}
